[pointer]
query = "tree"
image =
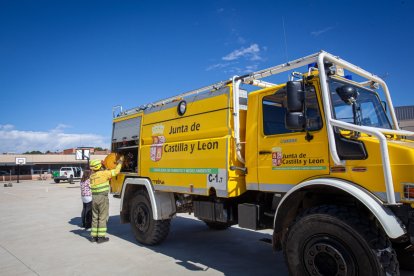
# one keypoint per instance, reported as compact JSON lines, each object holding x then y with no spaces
{"x":33,"y":152}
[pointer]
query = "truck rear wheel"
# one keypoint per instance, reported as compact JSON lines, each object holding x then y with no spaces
{"x":57,"y":180}
{"x":146,"y":230}
{"x":333,"y":240}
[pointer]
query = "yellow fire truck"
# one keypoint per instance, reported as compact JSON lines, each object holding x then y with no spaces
{"x":320,"y":159}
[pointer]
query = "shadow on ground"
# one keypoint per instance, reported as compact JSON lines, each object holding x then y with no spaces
{"x":197,"y":248}
{"x":77,"y":221}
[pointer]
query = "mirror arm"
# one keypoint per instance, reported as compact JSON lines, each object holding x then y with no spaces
{"x":308,"y":136}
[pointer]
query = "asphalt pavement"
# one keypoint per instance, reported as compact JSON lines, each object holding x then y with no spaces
{"x":40,"y":234}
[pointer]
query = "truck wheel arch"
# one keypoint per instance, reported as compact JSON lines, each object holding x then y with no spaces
{"x":162,"y":203}
{"x":289,"y":206}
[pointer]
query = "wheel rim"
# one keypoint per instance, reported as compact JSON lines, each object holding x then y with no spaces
{"x":328,"y":256}
{"x":141,"y":216}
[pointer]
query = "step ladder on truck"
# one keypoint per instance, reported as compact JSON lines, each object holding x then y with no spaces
{"x":320,"y":159}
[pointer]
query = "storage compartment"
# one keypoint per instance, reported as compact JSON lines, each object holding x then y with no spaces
{"x":125,"y":140}
{"x":212,"y":211}
{"x":249,"y":216}
{"x":130,"y":152}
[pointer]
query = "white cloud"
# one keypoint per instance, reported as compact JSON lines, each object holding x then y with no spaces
{"x":59,"y":128}
{"x":318,"y":33}
{"x":241,"y":70}
{"x":219,"y":66}
{"x":19,"y":141}
{"x":250,"y":53}
{"x":251,"y":68}
{"x":240,"y":61}
{"x":6,"y":127}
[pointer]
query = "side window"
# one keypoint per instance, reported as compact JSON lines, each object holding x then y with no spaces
{"x":274,"y":113}
{"x":313,"y":115}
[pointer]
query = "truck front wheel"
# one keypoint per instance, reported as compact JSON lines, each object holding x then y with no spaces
{"x":146,"y":230}
{"x":334,"y":240}
{"x":57,"y":180}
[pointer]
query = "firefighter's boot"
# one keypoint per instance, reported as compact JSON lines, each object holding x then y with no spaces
{"x":102,"y":239}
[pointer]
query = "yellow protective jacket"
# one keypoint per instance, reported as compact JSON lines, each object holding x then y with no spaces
{"x":99,"y":180}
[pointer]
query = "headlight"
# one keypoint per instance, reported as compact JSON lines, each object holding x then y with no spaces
{"x":408,"y":191}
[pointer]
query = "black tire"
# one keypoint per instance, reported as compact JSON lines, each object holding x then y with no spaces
{"x":146,"y":230}
{"x":217,"y":225}
{"x":405,"y":258}
{"x":57,"y":180}
{"x":333,"y":240}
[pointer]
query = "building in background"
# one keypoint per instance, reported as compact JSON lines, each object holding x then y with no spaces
{"x":92,"y":150}
{"x":405,"y":117}
{"x":38,"y":165}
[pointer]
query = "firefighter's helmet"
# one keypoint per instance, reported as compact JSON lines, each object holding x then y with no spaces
{"x":95,"y":164}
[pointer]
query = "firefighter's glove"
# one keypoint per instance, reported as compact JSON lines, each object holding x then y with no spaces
{"x":121,"y":160}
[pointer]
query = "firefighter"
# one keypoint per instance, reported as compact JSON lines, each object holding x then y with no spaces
{"x":99,"y":182}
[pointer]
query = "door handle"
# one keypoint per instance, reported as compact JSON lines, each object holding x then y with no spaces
{"x":262,"y":152}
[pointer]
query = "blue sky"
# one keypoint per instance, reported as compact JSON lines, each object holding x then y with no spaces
{"x":65,"y":64}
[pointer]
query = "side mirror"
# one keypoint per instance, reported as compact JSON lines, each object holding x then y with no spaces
{"x":347,"y":93}
{"x":295,"y":96}
{"x":295,"y":121}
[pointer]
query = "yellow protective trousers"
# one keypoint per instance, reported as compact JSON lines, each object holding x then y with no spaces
{"x":100,"y":214}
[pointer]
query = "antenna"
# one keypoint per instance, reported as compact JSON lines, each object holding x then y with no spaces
{"x":284,"y":36}
{"x":384,"y":76}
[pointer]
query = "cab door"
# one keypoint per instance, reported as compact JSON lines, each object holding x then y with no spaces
{"x":286,"y":157}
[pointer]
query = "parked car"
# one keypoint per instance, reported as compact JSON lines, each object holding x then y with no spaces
{"x":68,"y":174}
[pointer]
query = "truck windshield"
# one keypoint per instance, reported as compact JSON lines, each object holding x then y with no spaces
{"x":369,"y":110}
